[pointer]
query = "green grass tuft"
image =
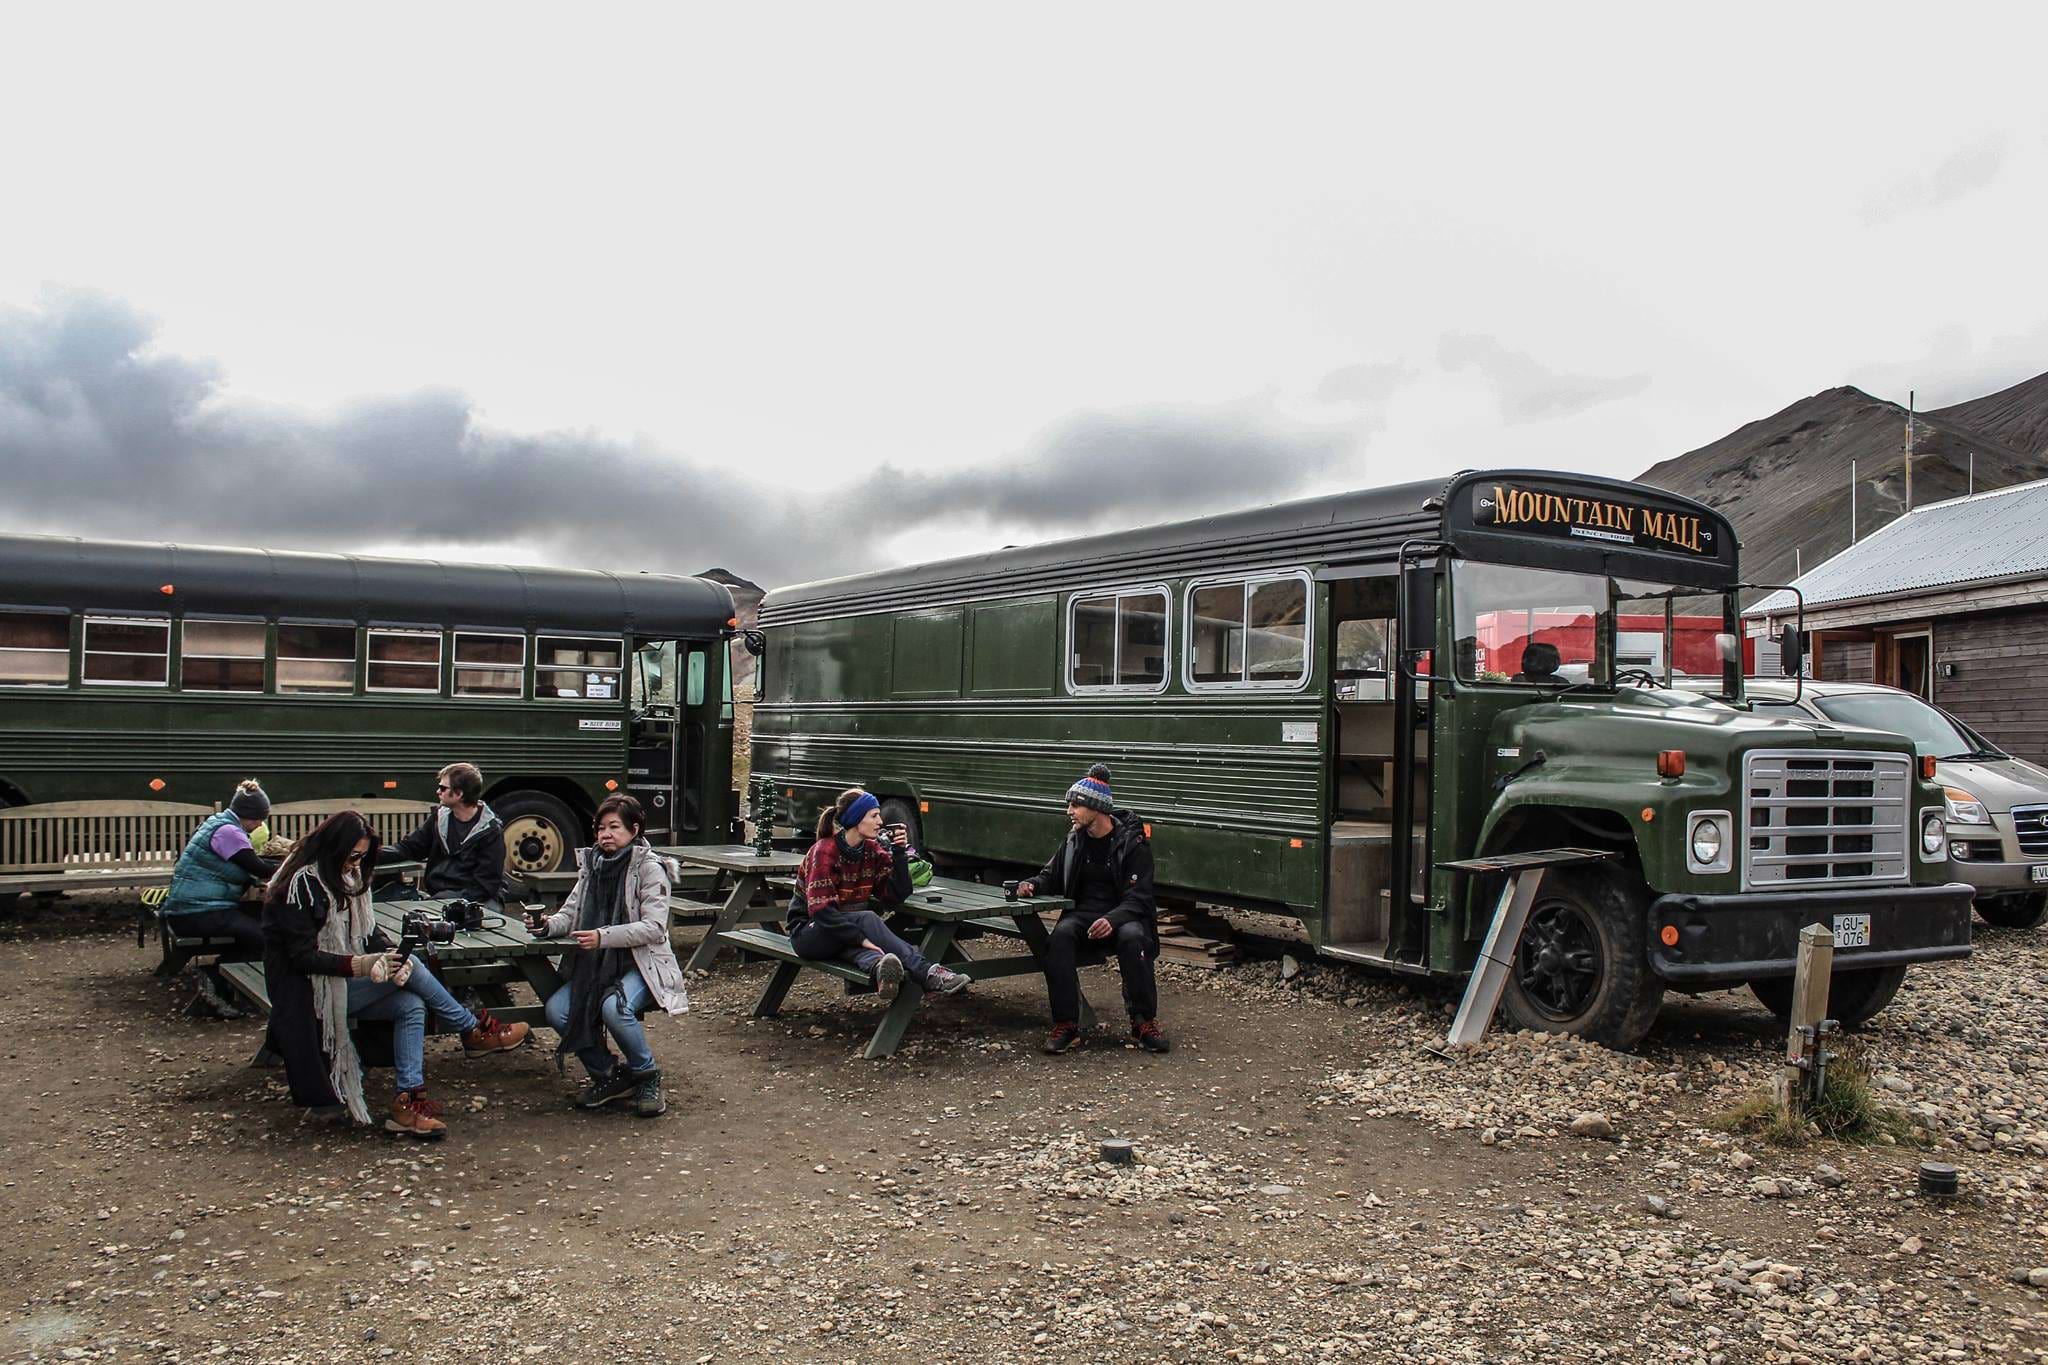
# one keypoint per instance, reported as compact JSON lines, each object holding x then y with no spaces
{"x":1848,"y":1110}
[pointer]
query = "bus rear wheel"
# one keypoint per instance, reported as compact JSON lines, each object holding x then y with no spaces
{"x":1583,"y":964}
{"x":541,"y":834}
{"x":1853,"y":997}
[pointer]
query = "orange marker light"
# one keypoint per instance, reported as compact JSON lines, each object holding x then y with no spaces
{"x":1148,"y":830}
{"x":1671,"y":763}
{"x":611,"y":784}
{"x":168,"y":588}
{"x":390,"y":786}
{"x":1294,"y":843}
{"x":924,"y":808}
{"x":156,"y":784}
{"x":1669,"y":933}
{"x":1648,"y":814}
{"x":1927,"y":766}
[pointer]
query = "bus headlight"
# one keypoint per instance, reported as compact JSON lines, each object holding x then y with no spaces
{"x":1933,"y":835}
{"x":1706,"y":841}
{"x":1963,"y":808}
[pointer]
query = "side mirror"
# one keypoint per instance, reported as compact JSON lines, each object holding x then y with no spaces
{"x":1728,"y":647}
{"x":1418,"y":606}
{"x":1792,"y":652}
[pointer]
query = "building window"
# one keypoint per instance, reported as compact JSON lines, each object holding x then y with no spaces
{"x":1117,"y":640}
{"x":569,"y":666}
{"x":1249,"y":632}
{"x":405,"y":661}
{"x":127,"y":652}
{"x":490,"y":665}
{"x":223,"y":656}
{"x":35,"y":649}
{"x":316,"y":659}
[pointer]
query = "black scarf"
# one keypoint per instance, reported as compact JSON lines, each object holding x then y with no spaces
{"x":595,"y":975}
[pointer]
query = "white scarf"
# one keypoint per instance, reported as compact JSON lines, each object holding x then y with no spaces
{"x":342,"y":933}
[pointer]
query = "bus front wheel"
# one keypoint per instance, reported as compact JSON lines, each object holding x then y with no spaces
{"x":1583,"y":964}
{"x":541,"y":834}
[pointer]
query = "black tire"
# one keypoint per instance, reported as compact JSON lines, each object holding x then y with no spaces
{"x":1583,"y":966}
{"x":541,"y":834}
{"x":897,"y":811}
{"x":2014,"y":912}
{"x":1853,"y":997}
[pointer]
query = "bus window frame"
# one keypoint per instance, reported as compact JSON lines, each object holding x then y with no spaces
{"x":523,"y":667}
{"x":71,"y":651}
{"x":620,"y":689}
{"x":1247,"y":683}
{"x":279,"y":659}
{"x":1116,"y":596}
{"x":440,"y":638}
{"x":1603,"y":639}
{"x":86,"y":651}
{"x":263,"y":660}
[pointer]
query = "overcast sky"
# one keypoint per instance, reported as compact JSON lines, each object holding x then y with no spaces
{"x":805,"y":289}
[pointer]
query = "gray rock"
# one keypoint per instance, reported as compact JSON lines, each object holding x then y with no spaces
{"x":1592,"y":1125}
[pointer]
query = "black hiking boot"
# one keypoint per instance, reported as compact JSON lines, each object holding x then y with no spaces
{"x":603,"y":1088}
{"x":648,"y":1101}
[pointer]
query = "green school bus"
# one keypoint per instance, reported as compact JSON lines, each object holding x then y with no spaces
{"x":1317,"y":705}
{"x":136,"y":671}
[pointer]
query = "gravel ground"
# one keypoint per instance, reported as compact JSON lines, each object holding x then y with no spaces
{"x":1317,"y":1180}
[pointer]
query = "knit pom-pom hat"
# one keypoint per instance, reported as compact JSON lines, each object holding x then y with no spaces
{"x":1092,"y":791}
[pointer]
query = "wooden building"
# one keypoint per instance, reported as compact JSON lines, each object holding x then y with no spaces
{"x":1950,"y":602}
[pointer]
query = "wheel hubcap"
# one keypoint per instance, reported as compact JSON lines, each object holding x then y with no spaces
{"x":1558,"y":967}
{"x":533,"y":844}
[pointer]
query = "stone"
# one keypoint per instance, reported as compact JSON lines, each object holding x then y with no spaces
{"x":1592,"y":1125}
{"x":1289,"y":967}
{"x":1658,"y":1206}
{"x":1827,"y":1175}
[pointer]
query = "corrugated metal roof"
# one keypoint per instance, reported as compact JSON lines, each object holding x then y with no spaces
{"x":1998,"y":535}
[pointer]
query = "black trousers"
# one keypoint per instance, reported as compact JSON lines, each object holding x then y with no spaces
{"x":239,"y":924}
{"x":1132,"y":945}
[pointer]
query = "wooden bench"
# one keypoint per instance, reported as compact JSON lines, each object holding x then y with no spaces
{"x":753,"y":941}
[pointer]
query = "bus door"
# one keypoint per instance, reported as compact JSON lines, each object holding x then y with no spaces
{"x":653,"y":745}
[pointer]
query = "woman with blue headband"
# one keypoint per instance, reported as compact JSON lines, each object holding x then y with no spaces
{"x":849,"y":874}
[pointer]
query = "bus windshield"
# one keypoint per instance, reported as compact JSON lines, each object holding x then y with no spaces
{"x":1549,"y":628}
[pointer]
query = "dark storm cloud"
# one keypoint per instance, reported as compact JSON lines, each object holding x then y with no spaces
{"x":101,"y":434}
{"x":1524,"y":389}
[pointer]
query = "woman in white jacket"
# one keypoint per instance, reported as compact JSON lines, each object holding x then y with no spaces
{"x":618,"y":915}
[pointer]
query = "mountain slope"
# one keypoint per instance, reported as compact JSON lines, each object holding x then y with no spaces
{"x":2016,"y":417}
{"x":1784,"y":479}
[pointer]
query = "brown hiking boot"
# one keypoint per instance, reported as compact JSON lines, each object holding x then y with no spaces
{"x":1147,"y":1034}
{"x":493,"y":1035}
{"x":1064,"y":1038}
{"x":412,"y":1112}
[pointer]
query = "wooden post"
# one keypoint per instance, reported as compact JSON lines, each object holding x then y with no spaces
{"x":1815,"y":963}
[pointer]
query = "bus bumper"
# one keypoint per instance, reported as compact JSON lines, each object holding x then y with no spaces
{"x":1731,"y":939}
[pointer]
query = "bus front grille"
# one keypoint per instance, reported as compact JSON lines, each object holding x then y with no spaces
{"x":1824,"y":819}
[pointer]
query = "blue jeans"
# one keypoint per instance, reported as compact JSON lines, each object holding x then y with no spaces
{"x":621,"y":1021}
{"x":406,"y":1007}
{"x":836,"y":936}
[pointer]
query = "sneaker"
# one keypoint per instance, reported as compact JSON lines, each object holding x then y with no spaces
{"x":648,"y":1101}
{"x":943,"y":981}
{"x":889,"y":974}
{"x":493,"y":1035}
{"x":1065,"y":1037}
{"x":1147,"y":1034}
{"x":414,"y":1114}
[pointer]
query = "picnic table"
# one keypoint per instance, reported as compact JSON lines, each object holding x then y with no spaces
{"x":750,"y":873}
{"x":554,"y":887}
{"x":948,"y":911}
{"x":490,"y":961}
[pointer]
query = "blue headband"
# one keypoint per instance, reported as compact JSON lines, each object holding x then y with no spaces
{"x":858,"y":811}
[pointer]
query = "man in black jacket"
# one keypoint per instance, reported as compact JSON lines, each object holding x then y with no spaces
{"x":1105,"y":867}
{"x":462,"y":844}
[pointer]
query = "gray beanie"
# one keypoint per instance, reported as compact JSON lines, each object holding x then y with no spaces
{"x":1092,"y":791}
{"x":249,"y":802}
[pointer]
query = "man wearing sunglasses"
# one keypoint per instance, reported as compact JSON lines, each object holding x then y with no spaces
{"x":462,"y":843}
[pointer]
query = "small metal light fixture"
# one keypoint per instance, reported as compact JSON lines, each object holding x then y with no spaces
{"x":1937,"y":1180}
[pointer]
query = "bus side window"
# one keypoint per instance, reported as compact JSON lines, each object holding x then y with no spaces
{"x":694,"y":688}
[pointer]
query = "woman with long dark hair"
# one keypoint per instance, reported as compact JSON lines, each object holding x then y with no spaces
{"x":848,"y":873}
{"x":618,"y":914}
{"x":326,"y":963}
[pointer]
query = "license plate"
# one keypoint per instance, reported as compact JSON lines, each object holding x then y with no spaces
{"x":1852,"y":931}
{"x":2038,"y":872}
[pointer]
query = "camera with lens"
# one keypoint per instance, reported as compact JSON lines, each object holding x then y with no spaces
{"x":465,"y":915}
{"x":428,"y":928}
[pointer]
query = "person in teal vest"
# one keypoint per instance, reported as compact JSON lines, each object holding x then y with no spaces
{"x":217,"y":868}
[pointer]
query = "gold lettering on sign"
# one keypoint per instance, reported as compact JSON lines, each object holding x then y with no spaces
{"x":1523,"y":506}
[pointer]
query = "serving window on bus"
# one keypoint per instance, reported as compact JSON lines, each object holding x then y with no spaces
{"x":1248,"y":633}
{"x":577,"y":667}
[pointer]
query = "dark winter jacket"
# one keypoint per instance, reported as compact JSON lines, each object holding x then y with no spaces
{"x":1131,"y":860}
{"x":473,"y":869}
{"x":292,"y":957}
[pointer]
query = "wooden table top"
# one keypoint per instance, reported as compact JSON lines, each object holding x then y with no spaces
{"x":484,"y":945}
{"x":739,"y":858}
{"x":950,"y":898}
